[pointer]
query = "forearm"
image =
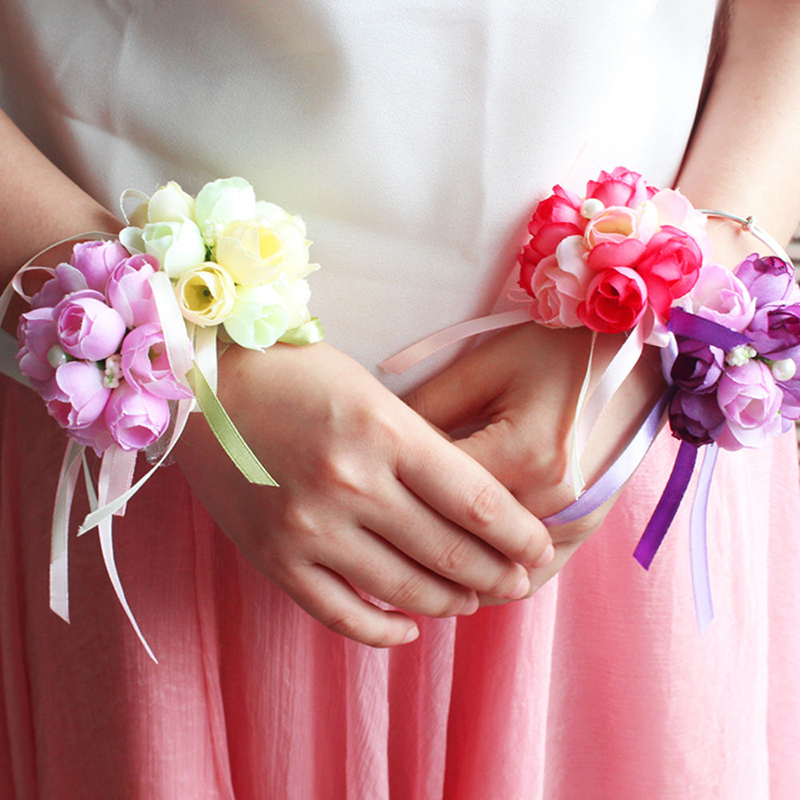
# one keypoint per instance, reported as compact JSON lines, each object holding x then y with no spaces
{"x":745,"y":155}
{"x":38,"y":203}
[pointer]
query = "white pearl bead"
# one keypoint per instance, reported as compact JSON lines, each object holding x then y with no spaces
{"x":590,"y":207}
{"x":784,"y":370}
{"x":56,"y":356}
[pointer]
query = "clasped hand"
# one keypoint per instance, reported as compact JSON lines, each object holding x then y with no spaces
{"x":374,"y":502}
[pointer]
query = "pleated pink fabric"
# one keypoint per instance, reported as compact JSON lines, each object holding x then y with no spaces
{"x":598,"y":687}
{"x":414,"y":138}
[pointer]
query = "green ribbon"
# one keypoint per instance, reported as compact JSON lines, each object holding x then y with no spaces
{"x":228,"y":436}
{"x":307,"y":333}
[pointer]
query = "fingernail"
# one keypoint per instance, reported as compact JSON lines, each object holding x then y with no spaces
{"x":411,"y":635}
{"x":546,"y":557}
{"x":471,"y":606}
{"x":521,"y":589}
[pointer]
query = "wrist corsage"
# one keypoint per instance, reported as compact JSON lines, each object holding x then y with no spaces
{"x":121,"y":340}
{"x":628,"y":258}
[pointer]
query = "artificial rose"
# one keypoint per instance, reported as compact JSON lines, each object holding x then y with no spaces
{"x":620,"y":187}
{"x":145,"y":364}
{"x":615,"y":301}
{"x":95,"y":261}
{"x":697,"y":366}
{"x":750,"y":400}
{"x":615,"y":224}
{"x":95,"y":436}
{"x":206,"y":294}
{"x":558,"y":284}
{"x":259,"y":251}
{"x":670,"y":266}
{"x":295,"y":295}
{"x":221,"y":203}
{"x":695,"y":418}
{"x":774,"y":331}
{"x":259,"y":317}
{"x":129,"y":290}
{"x":87,"y":327}
{"x":615,"y":254}
{"x":178,"y":246}
{"x":169,"y":203}
{"x":720,"y":296}
{"x":39,"y":351}
{"x":676,"y":211}
{"x":135,"y":419}
{"x":769,"y":279}
{"x":555,"y":218}
{"x":81,"y":396}
{"x":790,"y":404}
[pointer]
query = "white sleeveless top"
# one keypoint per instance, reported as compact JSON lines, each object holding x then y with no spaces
{"x":413,"y":137}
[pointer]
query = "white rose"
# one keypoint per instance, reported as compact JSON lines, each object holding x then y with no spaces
{"x":259,"y":317}
{"x":170,"y":204}
{"x":177,"y":245}
{"x":295,"y":295}
{"x":206,"y":294}
{"x":222,"y":202}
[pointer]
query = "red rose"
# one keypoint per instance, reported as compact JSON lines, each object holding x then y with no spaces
{"x":555,"y":218}
{"x":621,"y":187}
{"x":669,"y":266}
{"x":615,"y":301}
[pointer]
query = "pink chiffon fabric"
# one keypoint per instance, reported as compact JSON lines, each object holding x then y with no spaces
{"x":597,"y":687}
{"x":413,"y":137}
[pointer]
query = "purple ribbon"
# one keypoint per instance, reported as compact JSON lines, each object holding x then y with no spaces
{"x":682,"y":323}
{"x":667,"y":506}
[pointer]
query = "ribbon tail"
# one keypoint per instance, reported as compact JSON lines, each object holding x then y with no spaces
{"x":576,"y":449}
{"x":614,"y":478}
{"x":107,"y":547}
{"x":698,"y":544}
{"x":59,"y":538}
{"x":227,"y":434}
{"x":667,"y":506}
{"x":309,"y":332}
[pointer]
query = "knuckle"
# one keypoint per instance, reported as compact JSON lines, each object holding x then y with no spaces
{"x":453,"y":557}
{"x":343,"y":623}
{"x":485,"y":506}
{"x":406,"y":593}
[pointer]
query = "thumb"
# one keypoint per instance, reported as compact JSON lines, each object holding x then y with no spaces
{"x":460,"y":394}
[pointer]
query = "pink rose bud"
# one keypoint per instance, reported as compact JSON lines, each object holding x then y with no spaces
{"x":87,"y":327}
{"x":81,"y":396}
{"x":36,"y":333}
{"x":96,"y":261}
{"x":135,"y":419}
{"x":620,"y":187}
{"x":145,"y":364}
{"x":95,"y":436}
{"x":129,"y":291}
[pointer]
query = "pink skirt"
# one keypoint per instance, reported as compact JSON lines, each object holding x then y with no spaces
{"x":598,"y":687}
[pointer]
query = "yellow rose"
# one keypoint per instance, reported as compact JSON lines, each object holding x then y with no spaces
{"x":260,"y":250}
{"x":206,"y":294}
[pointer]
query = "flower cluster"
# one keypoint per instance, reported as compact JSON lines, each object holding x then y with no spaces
{"x":738,"y":395}
{"x":234,"y":261}
{"x":605,"y":260}
{"x":92,"y":346}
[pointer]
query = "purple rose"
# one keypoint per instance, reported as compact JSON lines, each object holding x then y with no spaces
{"x":135,"y":419}
{"x":750,"y":400}
{"x":81,"y":397}
{"x":145,"y":364}
{"x":721,"y":297}
{"x":88,"y":328}
{"x":790,"y":407}
{"x":129,"y":291}
{"x":96,"y":261}
{"x":697,"y":366}
{"x":768,"y":279}
{"x":695,"y":418}
{"x":775,"y":330}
